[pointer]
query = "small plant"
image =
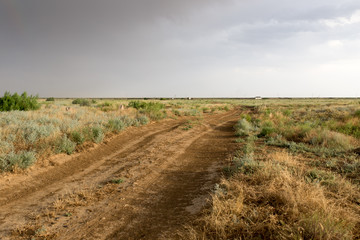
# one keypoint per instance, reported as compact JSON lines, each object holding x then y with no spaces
{"x":143,"y":120}
{"x":78,"y":137}
{"x":98,"y":134}
{"x":117,"y":181}
{"x":65,"y":145}
{"x":206,"y":110}
{"x":187,"y":125}
{"x":50,"y":99}
{"x":266,"y":130}
{"x":357,"y":114}
{"x":243,"y":128}
{"x":22,"y":160}
{"x":116,"y":125}
{"x":68,"y":214}
{"x":177,"y":113}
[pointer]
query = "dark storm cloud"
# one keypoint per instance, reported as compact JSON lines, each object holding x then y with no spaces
{"x":166,"y":48}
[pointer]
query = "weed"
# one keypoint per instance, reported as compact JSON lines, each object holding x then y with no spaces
{"x":117,"y":181}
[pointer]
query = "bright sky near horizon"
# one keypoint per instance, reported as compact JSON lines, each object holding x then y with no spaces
{"x":167,"y":48}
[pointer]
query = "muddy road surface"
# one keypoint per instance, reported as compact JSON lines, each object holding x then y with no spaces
{"x":145,"y":183}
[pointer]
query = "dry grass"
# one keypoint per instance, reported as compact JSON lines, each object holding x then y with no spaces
{"x":277,"y":202}
{"x":301,"y":184}
{"x":63,"y":127}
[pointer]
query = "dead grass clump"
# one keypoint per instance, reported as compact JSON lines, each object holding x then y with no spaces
{"x":330,"y":139}
{"x":274,"y":203}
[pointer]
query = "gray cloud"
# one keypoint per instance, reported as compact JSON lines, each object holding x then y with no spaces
{"x":165,"y":48}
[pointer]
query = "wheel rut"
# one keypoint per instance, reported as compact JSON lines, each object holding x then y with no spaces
{"x":168,"y":173}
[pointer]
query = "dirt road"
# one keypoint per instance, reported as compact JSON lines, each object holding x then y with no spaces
{"x":145,"y":183}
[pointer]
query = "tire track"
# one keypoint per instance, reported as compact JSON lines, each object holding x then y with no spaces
{"x":152,"y":158}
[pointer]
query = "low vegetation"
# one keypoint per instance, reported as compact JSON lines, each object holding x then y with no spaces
{"x":295,"y":176}
{"x":67,"y":125}
{"x":21,"y":102}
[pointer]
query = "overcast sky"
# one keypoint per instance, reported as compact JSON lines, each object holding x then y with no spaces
{"x":167,"y":48}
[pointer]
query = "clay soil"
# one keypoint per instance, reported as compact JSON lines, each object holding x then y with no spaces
{"x":145,"y":183}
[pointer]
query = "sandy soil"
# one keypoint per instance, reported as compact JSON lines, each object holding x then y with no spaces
{"x":145,"y":183}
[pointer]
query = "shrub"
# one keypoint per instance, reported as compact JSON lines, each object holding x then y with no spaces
{"x":357,"y":114}
{"x":206,"y":110}
{"x":267,"y":129}
{"x":177,"y":113}
{"x":151,"y":109}
{"x":5,"y":146}
{"x":78,"y":137}
{"x":116,"y":125}
{"x":243,"y":127}
{"x":330,"y":139}
{"x":15,"y":102}
{"x":22,"y":160}
{"x":97,"y":134}
{"x":106,"y":104}
{"x":50,"y":99}
{"x":31,"y":132}
{"x":65,"y":145}
{"x":76,"y":101}
{"x":127,"y":121}
{"x":81,"y":102}
{"x":154,"y":106}
{"x":348,"y":129}
{"x":143,"y":120}
{"x":85,"y":102}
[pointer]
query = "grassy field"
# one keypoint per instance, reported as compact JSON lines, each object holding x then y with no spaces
{"x":296,"y":174}
{"x":69,"y":125}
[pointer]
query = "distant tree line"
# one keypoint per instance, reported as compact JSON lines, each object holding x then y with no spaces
{"x":21,"y":102}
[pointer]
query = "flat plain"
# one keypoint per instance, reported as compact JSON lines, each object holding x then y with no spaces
{"x":181,"y":169}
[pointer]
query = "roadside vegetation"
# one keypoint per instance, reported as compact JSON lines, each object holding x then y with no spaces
{"x":21,"y":102}
{"x":296,"y":175}
{"x":33,"y":129}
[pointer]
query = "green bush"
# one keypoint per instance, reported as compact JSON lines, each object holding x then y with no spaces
{"x":65,"y":145}
{"x":267,"y":129}
{"x":82,"y":102}
{"x":154,"y":106}
{"x":50,"y":99}
{"x":21,"y":102}
{"x":78,"y":137}
{"x":357,"y":114}
{"x":151,"y":109}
